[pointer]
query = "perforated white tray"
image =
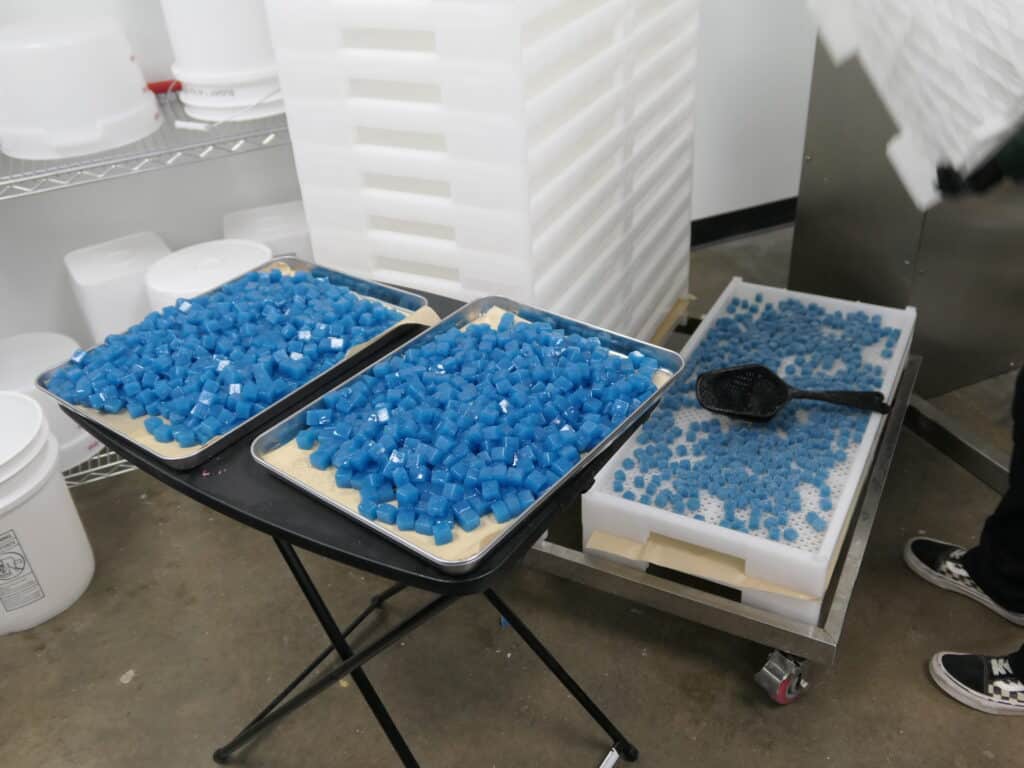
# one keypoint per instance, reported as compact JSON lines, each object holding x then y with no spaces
{"x":803,"y":566}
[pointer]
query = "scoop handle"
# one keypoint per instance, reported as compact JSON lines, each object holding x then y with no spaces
{"x":865,"y":401}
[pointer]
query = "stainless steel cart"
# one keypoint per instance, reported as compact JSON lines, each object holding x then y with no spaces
{"x":794,"y":644}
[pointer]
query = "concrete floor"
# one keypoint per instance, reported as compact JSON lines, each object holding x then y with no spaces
{"x":192,"y":623}
{"x":760,"y":258}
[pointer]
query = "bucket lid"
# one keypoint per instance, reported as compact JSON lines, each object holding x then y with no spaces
{"x":23,"y":420}
{"x":25,"y":356}
{"x":14,"y":493}
{"x":204,"y":266}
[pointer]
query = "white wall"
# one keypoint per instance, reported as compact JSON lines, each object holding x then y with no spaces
{"x":753,"y":85}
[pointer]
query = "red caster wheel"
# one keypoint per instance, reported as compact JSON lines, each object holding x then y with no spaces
{"x":783,"y":677}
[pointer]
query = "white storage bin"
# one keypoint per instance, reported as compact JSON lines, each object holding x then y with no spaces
{"x":22,"y":359}
{"x":282,"y":228}
{"x":200,"y":268}
{"x":787,"y":577}
{"x":70,"y":86}
{"x":499,"y":147}
{"x":223,"y":59}
{"x":109,"y":281}
{"x":46,"y":562}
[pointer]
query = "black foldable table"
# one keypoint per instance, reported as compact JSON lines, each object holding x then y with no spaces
{"x":233,"y":484}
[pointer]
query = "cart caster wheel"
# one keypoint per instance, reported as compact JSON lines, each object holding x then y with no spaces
{"x":783,"y":677}
{"x":220,"y":757}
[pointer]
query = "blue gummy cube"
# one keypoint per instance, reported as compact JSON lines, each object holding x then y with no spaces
{"x":424,"y":525}
{"x":321,"y":457}
{"x":407,"y":494}
{"x":406,"y":519}
{"x":501,"y":512}
{"x":306,"y":439}
{"x":490,"y":490}
{"x":442,"y":533}
{"x":467,"y":517}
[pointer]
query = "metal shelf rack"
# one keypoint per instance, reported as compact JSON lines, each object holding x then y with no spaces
{"x":168,"y":147}
{"x":102,"y":466}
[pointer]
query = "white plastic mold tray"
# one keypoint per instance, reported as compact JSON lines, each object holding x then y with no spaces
{"x":782,"y":572}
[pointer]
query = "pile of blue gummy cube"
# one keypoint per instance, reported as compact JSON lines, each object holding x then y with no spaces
{"x":473,"y":421}
{"x":770,"y":479}
{"x":206,"y":364}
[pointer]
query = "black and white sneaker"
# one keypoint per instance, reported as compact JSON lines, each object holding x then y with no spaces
{"x":985,"y":683}
{"x":941,"y":564}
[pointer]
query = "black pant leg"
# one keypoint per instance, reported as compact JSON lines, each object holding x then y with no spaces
{"x":997,"y":563}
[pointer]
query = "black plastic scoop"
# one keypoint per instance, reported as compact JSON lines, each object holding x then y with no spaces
{"x":756,"y":393}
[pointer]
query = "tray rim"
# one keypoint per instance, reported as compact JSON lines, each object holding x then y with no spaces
{"x":206,"y":451}
{"x":259,"y":450}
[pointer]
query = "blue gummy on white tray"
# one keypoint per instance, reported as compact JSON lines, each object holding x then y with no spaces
{"x":196,"y":369}
{"x":778,"y":479}
{"x":472,"y":423}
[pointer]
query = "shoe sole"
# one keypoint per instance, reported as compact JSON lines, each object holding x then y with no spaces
{"x":949,"y":585}
{"x":966,"y":696}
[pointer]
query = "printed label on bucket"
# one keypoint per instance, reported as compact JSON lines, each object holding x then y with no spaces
{"x":18,"y":584}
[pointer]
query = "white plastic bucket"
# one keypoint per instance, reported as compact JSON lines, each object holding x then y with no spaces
{"x":46,"y":562}
{"x":109,"y":280}
{"x":219,"y":40}
{"x":70,"y":87}
{"x":200,"y":268}
{"x":223,"y":58}
{"x":22,"y":359}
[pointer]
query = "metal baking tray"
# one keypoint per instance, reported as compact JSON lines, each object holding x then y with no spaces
{"x":404,"y":302}
{"x":670,"y":365}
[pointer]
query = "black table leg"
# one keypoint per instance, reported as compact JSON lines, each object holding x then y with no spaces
{"x":620,"y":744}
{"x":258,"y":723}
{"x":351,"y":664}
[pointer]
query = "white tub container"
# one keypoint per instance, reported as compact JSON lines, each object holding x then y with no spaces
{"x":46,"y":562}
{"x":223,"y":58}
{"x":201,"y":267}
{"x":109,"y":281}
{"x":22,"y":359}
{"x":282,"y":228}
{"x":70,"y":87}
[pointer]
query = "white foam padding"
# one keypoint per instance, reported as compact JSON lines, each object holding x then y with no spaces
{"x":950,"y":73}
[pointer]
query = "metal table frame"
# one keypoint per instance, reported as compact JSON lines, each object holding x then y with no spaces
{"x":352,"y":661}
{"x":814,"y":642}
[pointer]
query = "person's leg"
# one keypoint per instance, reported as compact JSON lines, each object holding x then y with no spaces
{"x":997,"y":563}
